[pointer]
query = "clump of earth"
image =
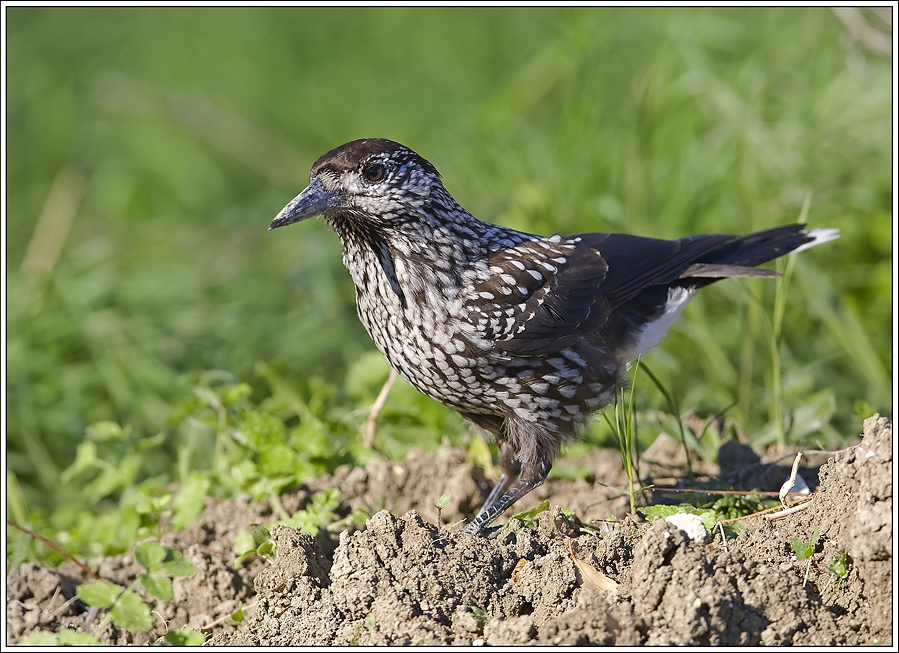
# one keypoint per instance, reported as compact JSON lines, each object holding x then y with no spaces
{"x":409,"y":577}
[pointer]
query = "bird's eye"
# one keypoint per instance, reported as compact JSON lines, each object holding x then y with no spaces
{"x":375,"y":172}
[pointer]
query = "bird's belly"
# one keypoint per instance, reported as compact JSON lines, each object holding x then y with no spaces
{"x":435,"y":356}
{"x":440,"y":360}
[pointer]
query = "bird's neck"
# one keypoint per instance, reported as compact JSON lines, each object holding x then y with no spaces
{"x":445,"y":242}
{"x":438,"y":247}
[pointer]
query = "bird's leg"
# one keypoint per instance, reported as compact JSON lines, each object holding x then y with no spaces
{"x":511,"y":469}
{"x":532,"y":475}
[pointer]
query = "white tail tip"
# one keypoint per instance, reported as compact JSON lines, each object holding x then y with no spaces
{"x":820,"y":236}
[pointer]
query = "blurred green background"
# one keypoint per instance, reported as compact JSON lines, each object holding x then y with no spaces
{"x":159,"y":337}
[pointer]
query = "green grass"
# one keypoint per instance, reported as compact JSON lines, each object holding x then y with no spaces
{"x":158,"y":143}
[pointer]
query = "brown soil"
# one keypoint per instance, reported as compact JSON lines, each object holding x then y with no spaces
{"x":405,"y":580}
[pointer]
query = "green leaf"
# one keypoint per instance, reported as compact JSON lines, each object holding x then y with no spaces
{"x":276,"y":458}
{"x":42,"y":638}
{"x":158,"y":586}
{"x":208,"y":396}
{"x":709,"y":517}
{"x":156,"y":558}
{"x":176,"y":565}
{"x":802,"y":549}
{"x":543,"y":506}
{"x":85,"y":458}
{"x":318,"y":512}
{"x":262,"y":430}
{"x":99,"y":593}
{"x":481,"y":614}
{"x":145,"y":444}
{"x":70,"y":637}
{"x":257,"y":541}
{"x":839,"y":567}
{"x":237,"y":393}
{"x":327,"y":500}
{"x":308,"y":522}
{"x":131,"y":613}
{"x":107,"y":431}
{"x":115,"y":477}
{"x":149,"y":555}
{"x":528,"y":517}
{"x":238,"y":561}
{"x":184,"y":637}
{"x":260,"y":534}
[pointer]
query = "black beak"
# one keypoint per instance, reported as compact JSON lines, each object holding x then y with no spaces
{"x":313,"y":201}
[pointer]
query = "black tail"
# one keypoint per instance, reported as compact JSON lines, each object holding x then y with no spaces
{"x":755,"y":249}
{"x":645,"y":275}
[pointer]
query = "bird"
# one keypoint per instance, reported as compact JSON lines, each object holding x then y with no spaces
{"x":525,"y":336}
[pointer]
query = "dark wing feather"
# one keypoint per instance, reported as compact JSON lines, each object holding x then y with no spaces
{"x":540,"y":295}
{"x":593,"y":275}
{"x":567,"y":289}
{"x":637,"y":263}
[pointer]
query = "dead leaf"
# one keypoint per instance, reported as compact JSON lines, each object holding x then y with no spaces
{"x":516,"y":574}
{"x":593,"y":578}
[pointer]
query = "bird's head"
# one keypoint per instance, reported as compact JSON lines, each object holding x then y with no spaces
{"x":372,"y":179}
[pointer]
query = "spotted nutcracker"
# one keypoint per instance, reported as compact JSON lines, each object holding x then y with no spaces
{"x":525,"y":336}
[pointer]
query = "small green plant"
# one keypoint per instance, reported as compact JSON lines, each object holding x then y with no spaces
{"x":481,"y":615}
{"x":709,"y":517}
{"x":625,"y":430}
{"x":733,"y":506}
{"x":674,"y":409}
{"x":257,"y":541}
{"x":839,"y":568}
{"x":114,"y":467}
{"x":246,"y":447}
{"x":529,"y":517}
{"x":318,"y":513}
{"x":440,"y":505}
{"x":63,"y":638}
{"x":236,"y":618}
{"x":127,"y":609}
{"x":369,"y":624}
{"x":805,"y":551}
{"x":183,"y":637}
{"x":631,"y":538}
{"x":357,"y":517}
{"x":725,"y":508}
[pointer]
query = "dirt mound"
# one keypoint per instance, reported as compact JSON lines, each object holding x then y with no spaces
{"x":404,"y":580}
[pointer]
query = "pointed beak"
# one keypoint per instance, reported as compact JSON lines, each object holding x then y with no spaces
{"x":313,"y":201}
